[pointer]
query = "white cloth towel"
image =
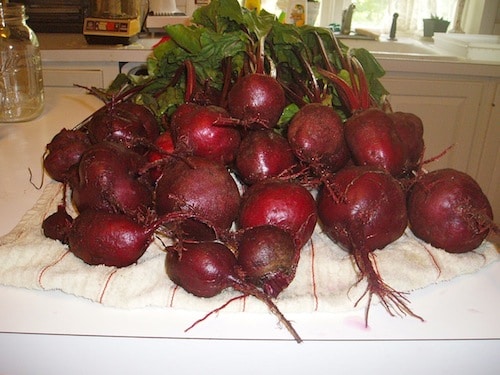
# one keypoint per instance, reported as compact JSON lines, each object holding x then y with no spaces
{"x":324,"y":280}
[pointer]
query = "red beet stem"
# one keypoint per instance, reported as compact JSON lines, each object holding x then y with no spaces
{"x":249,"y":289}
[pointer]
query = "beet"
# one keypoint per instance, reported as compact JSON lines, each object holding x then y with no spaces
{"x":64,"y":152}
{"x":263,"y":154}
{"x":268,"y":257}
{"x":58,"y":225}
{"x":366,"y":195}
{"x":202,"y":268}
{"x":285,"y":204}
{"x":410,"y":130}
{"x":112,"y":239}
{"x":196,"y":132}
{"x":108,"y":179}
{"x":448,"y":209}
{"x":257,"y":100}
{"x":364,"y":209}
{"x":202,"y":188}
{"x":373,"y":141}
{"x":316,"y":135}
{"x":205,"y":269}
{"x":127,"y":123}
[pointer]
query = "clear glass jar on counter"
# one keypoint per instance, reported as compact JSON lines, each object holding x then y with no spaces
{"x":21,"y":82}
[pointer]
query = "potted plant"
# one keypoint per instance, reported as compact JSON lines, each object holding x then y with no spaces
{"x":435,"y":24}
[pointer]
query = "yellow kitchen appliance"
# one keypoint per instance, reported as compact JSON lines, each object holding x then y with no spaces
{"x":113,"y":21}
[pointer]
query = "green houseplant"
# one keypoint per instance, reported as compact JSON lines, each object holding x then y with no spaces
{"x":435,"y":24}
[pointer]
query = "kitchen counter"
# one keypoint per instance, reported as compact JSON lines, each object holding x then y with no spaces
{"x":52,"y":332}
{"x":73,"y":47}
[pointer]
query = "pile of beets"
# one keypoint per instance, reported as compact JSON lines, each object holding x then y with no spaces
{"x":239,"y":199}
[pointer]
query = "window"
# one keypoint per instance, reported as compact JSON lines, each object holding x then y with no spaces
{"x":378,"y":14}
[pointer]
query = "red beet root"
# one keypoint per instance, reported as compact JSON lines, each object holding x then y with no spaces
{"x":410,"y":130}
{"x":108,"y":180}
{"x":448,"y":209}
{"x":284,"y":204}
{"x":268,"y":257}
{"x":316,"y":135}
{"x":125,"y":122}
{"x":58,"y":225}
{"x":111,"y":239}
{"x":257,"y":100}
{"x":202,"y":188}
{"x":65,"y":151}
{"x":263,"y":154}
{"x":364,"y":209}
{"x":373,"y":141}
{"x":207,"y":268}
{"x":196,"y":132}
{"x":204,"y":268}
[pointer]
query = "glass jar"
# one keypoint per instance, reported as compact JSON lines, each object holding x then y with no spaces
{"x":21,"y":83}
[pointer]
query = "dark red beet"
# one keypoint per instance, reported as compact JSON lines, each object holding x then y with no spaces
{"x":200,"y":187}
{"x":363,"y":209}
{"x":368,"y":195}
{"x":448,"y":209}
{"x":108,"y":180}
{"x":285,"y":204}
{"x":196,"y":132}
{"x":410,"y":130}
{"x":316,"y":135}
{"x":268,"y":257}
{"x":257,"y":100}
{"x":125,"y":122}
{"x":65,"y":151}
{"x":373,"y":141}
{"x":263,"y":154}
{"x":207,"y":268}
{"x":203,"y":268}
{"x":112,"y":239}
{"x":57,"y":225}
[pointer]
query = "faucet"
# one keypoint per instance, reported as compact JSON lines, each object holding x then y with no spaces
{"x":345,"y":29}
{"x":392,"y":34}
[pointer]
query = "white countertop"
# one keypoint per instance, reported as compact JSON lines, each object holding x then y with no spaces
{"x":461,"y":332}
{"x":73,"y":47}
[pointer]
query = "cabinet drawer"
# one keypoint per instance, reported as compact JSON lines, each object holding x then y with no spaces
{"x":53,"y":77}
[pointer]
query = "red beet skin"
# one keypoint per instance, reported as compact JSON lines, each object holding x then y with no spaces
{"x":316,"y":135}
{"x":285,"y":204}
{"x":257,"y":100}
{"x":448,"y":209}
{"x":373,"y":141}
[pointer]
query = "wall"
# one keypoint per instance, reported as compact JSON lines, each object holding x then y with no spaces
{"x":496,"y":26}
{"x":482,"y":17}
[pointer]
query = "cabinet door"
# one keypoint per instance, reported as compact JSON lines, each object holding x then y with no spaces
{"x":87,"y":74}
{"x":488,"y":168}
{"x":449,"y":111}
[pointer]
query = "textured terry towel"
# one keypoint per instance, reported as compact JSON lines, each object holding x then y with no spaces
{"x":324,"y":280}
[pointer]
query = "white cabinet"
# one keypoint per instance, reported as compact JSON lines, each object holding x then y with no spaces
{"x":87,"y":74}
{"x":459,"y":112}
{"x":488,"y":160}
